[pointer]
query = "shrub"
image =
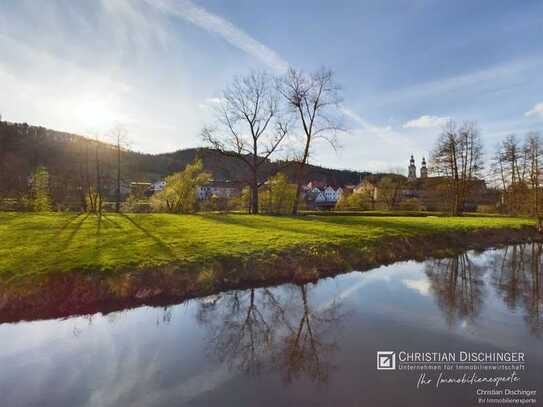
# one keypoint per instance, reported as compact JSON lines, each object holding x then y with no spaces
{"x":354,"y":201}
{"x":487,"y":209}
{"x":411,"y":204}
{"x":135,"y":205}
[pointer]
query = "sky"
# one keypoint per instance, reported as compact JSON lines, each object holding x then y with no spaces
{"x":158,"y":66}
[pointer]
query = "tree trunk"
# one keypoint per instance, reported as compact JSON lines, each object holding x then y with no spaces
{"x":118,"y":189}
{"x":254,"y":195}
{"x":300,"y":176}
{"x":297,"y":198}
{"x":98,"y":184}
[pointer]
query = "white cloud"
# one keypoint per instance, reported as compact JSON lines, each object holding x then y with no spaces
{"x":218,"y":25}
{"x":537,"y":111}
{"x":426,"y":122}
{"x":211,"y":103}
{"x":422,"y":286}
{"x":214,"y":101}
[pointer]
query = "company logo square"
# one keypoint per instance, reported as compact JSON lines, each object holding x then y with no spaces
{"x":386,"y":360}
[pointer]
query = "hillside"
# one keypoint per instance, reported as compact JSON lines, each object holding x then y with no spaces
{"x":71,"y":159}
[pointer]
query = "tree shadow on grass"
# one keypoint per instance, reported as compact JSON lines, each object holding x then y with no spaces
{"x":236,"y":220}
{"x":249,"y":222}
{"x":75,"y":227}
{"x":376,"y":222}
{"x":320,"y":225}
{"x":161,"y":244}
{"x":110,"y":222}
{"x":67,"y":223}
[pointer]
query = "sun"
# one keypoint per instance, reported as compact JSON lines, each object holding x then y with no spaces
{"x":96,"y":114}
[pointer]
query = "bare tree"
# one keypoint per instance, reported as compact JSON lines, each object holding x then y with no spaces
{"x":457,"y":156}
{"x":249,"y":126}
{"x":119,"y":135}
{"x":99,"y":197}
{"x":314,"y":100}
{"x":390,"y":190}
{"x":510,"y":167}
{"x":533,"y":152}
{"x":94,"y":193}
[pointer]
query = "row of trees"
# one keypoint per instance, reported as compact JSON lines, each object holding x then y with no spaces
{"x":260,"y":115}
{"x":515,"y":171}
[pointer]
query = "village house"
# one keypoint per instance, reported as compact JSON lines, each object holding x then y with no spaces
{"x":219,"y":189}
{"x":368,"y":187}
{"x":320,"y":195}
{"x":158,"y":186}
{"x":140,"y":189}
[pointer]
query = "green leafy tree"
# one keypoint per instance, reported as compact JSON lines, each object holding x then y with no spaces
{"x":180,"y":193}
{"x":40,"y":200}
{"x":278,"y":196}
{"x":243,"y":202}
{"x":355,"y":201}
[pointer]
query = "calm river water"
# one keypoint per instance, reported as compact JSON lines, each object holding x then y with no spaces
{"x":310,"y":345}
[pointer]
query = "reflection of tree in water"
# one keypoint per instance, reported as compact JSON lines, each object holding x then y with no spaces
{"x":458,"y":285}
{"x":257,"y":329}
{"x":307,"y":346}
{"x":508,"y":275}
{"x":516,"y":274}
{"x":239,"y":331}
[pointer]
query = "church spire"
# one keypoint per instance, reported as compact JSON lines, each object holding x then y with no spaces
{"x":412,"y":170}
{"x":423,"y":169}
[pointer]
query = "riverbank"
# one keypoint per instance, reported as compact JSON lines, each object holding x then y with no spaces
{"x":249,"y":252}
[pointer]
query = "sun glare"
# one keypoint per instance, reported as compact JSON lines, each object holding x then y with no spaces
{"x":95,"y":114}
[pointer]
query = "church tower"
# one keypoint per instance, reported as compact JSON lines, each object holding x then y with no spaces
{"x":412,"y":174}
{"x":423,"y":169}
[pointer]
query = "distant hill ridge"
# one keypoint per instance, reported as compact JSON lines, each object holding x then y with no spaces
{"x":68,"y":156}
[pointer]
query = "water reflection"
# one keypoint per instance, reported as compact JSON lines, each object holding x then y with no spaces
{"x":240,"y":331}
{"x":517,"y":278}
{"x":458,"y":283}
{"x":258,"y":330}
{"x":242,"y":347}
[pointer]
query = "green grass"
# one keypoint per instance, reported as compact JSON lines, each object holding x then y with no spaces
{"x":42,"y":243}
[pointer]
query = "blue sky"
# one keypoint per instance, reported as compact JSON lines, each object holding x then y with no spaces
{"x":156,"y":66}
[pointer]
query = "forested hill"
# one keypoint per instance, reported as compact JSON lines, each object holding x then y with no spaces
{"x":69,"y":158}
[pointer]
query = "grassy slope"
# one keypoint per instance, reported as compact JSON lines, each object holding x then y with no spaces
{"x":33,"y":243}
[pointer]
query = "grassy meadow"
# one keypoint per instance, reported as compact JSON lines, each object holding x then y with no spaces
{"x":54,"y":242}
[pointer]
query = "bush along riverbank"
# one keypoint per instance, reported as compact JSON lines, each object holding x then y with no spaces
{"x":62,"y":294}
